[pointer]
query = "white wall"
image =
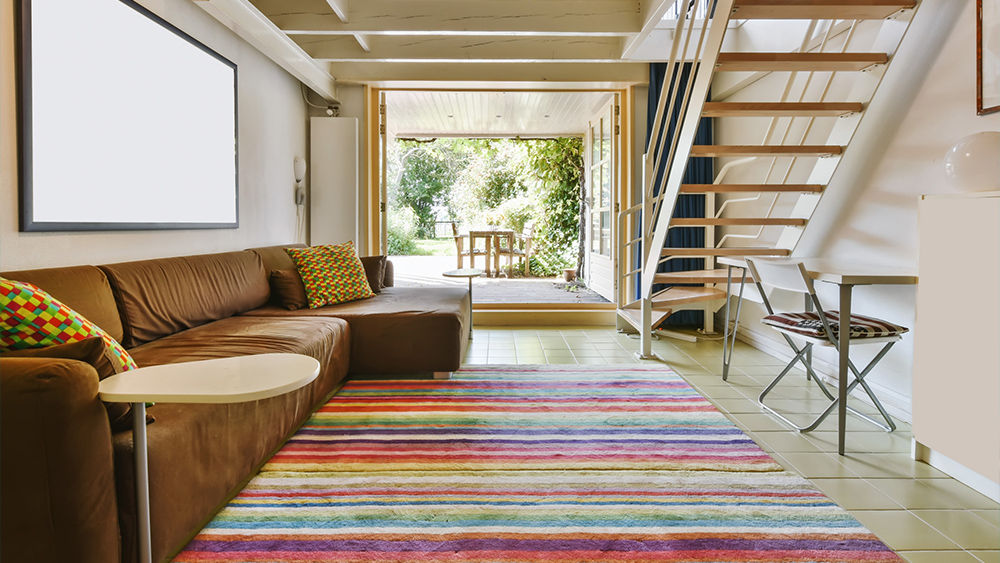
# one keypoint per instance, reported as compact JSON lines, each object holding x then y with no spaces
{"x":927,"y":102}
{"x":272,"y":131}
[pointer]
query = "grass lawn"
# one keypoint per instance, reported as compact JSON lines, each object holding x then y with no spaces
{"x":435,"y":247}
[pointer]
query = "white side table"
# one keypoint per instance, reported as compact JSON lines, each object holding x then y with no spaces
{"x":225,"y":380}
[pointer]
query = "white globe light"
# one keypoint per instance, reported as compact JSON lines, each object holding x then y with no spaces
{"x":974,"y":162}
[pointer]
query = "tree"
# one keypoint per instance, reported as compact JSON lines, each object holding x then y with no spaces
{"x":558,"y":163}
{"x":424,"y":177}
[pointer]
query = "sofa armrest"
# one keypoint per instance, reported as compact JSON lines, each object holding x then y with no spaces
{"x":58,"y":490}
{"x":388,"y":279}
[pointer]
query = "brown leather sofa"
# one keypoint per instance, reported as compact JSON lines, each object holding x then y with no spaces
{"x":67,"y":479}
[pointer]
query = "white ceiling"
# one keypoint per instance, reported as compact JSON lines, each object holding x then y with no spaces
{"x":490,"y":114}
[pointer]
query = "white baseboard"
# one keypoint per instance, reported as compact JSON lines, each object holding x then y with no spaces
{"x":956,"y":470}
{"x":898,"y":405}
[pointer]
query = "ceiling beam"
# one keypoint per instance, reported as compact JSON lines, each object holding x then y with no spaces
{"x":390,"y":48}
{"x":542,"y":76}
{"x":459,"y":17}
{"x":651,"y":14}
{"x":247,"y":22}
{"x":339,"y":7}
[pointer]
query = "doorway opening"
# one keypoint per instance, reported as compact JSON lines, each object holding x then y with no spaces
{"x":538,"y":169}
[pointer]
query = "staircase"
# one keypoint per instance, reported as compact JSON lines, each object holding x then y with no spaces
{"x":845,"y":48}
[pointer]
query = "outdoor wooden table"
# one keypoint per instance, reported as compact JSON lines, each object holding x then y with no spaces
{"x":492,"y":236}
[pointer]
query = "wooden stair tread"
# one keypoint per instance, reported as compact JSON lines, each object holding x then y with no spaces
{"x":737,"y":221}
{"x":734,"y":188}
{"x":819,"y":9}
{"x":765,"y":150}
{"x":725,"y":252}
{"x":699,"y":276}
{"x":634,"y":316}
{"x":776,"y":62}
{"x":780,"y":109}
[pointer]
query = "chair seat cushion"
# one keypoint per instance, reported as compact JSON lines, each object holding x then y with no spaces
{"x":809,"y":324}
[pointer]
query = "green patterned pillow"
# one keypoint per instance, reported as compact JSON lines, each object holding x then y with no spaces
{"x":31,"y":318}
{"x":331,"y":274}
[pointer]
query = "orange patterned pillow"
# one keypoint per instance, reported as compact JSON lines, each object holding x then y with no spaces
{"x":331,"y":274}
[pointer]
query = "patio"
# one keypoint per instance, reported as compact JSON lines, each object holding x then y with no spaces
{"x":425,"y":271}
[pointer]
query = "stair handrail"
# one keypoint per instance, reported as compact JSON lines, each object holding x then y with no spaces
{"x":703,"y":61}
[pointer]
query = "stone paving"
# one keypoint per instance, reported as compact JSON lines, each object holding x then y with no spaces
{"x":425,"y":271}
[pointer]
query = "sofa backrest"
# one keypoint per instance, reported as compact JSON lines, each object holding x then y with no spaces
{"x":157,"y":298}
{"x":275,"y":257}
{"x":84,"y":289}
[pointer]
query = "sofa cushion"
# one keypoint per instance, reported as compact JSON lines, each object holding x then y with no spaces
{"x":85,"y":289}
{"x":331,"y":274}
{"x":401,"y":330}
{"x":275,"y":257}
{"x":157,"y":298}
{"x":199,"y":455}
{"x":374,"y":271}
{"x":287,"y":290}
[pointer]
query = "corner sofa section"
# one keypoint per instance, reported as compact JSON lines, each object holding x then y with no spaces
{"x":68,"y":482}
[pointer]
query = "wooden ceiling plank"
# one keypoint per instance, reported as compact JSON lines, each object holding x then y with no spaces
{"x":391,"y":48}
{"x":458,"y":17}
{"x":819,"y":9}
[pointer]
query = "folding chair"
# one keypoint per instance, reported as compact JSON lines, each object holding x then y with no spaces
{"x":820,"y":328}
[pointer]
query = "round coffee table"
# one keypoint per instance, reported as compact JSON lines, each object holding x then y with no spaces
{"x":225,"y":380}
{"x":466,"y":273}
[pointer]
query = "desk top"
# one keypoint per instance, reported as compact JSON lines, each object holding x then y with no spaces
{"x":225,"y":380}
{"x":842,"y":272}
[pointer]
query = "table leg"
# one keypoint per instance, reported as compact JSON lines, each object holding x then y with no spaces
{"x":489,"y":252}
{"x":844,"y":364}
{"x":496,"y":254}
{"x":140,"y":453}
{"x":470,"y":308}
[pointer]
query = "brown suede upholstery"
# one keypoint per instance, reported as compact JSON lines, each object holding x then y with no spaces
{"x":58,"y":502}
{"x":200,"y":454}
{"x":68,"y":482}
{"x":157,"y":298}
{"x":401,"y":330}
{"x":84,"y":289}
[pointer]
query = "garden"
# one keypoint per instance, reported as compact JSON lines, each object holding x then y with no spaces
{"x":479,"y":182}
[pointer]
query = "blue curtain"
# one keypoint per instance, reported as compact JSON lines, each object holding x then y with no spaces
{"x":699,"y":171}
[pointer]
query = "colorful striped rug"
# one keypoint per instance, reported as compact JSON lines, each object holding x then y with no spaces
{"x":529,"y":464}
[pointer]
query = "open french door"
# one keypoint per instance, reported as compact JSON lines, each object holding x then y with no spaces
{"x":601,"y":161}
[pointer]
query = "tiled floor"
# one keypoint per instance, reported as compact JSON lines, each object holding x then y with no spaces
{"x":918,"y":511}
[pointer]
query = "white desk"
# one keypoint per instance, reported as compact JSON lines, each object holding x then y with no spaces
{"x":225,"y":380}
{"x":845,"y":274}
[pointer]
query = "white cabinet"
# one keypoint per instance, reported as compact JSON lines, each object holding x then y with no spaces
{"x":956,"y":372}
{"x":333,"y":180}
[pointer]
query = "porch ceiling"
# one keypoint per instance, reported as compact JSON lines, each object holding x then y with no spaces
{"x":490,"y":114}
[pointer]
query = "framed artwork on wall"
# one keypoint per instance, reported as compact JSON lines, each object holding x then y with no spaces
{"x":987,"y":56}
{"x":138,"y":132}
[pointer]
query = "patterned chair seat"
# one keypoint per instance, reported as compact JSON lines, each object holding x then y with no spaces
{"x":809,"y":324}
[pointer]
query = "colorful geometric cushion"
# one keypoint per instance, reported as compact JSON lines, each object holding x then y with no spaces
{"x":331,"y":274}
{"x":809,"y":324}
{"x":31,"y":318}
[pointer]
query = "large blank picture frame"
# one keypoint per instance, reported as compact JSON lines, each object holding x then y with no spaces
{"x":125,"y":121}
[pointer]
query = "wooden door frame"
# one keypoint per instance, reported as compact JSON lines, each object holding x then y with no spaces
{"x":373,"y":201}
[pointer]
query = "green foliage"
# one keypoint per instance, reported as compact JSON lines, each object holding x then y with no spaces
{"x":401,"y":231}
{"x":548,"y":264}
{"x":424,"y":175}
{"x":558,"y":164}
{"x":479,"y":182}
{"x":513,"y":213}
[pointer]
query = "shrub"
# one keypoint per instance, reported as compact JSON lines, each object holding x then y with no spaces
{"x":401,"y":231}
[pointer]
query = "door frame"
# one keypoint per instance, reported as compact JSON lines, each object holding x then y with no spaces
{"x":373,"y":194}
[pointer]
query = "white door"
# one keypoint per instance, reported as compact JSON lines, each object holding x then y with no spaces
{"x":601,"y":160}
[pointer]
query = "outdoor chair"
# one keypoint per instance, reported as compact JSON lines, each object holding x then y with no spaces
{"x":521,"y":248}
{"x":460,"y":249}
{"x":820,"y":328}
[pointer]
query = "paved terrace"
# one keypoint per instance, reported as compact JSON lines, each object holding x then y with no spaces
{"x":425,"y":271}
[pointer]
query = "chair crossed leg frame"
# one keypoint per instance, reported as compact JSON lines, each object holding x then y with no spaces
{"x":802,"y":355}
